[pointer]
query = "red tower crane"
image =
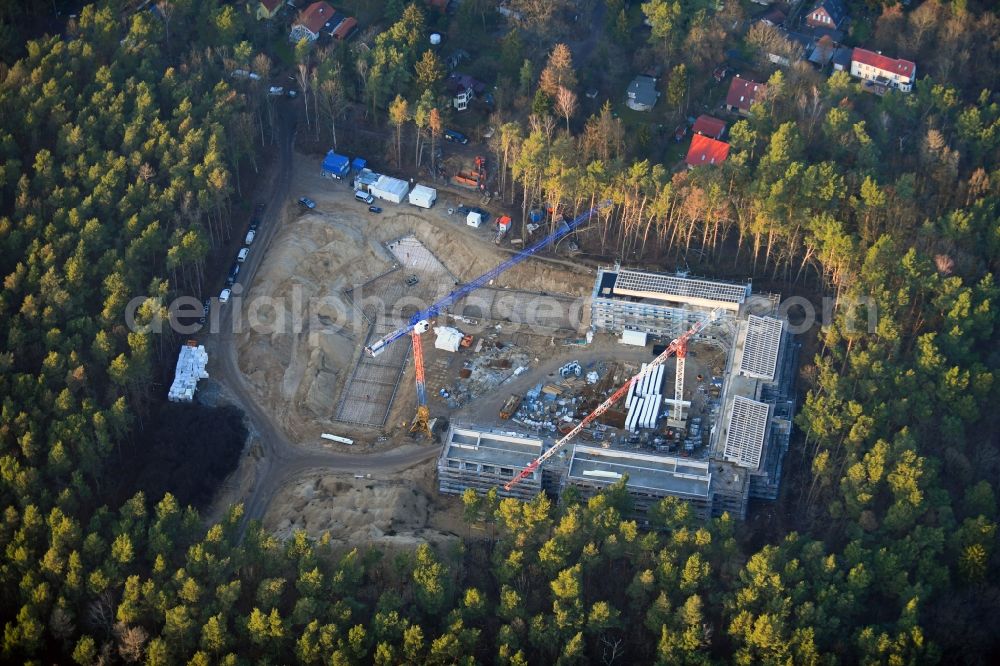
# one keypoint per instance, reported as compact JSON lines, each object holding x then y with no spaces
{"x":615,"y":397}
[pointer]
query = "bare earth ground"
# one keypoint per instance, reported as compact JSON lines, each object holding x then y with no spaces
{"x":319,"y":254}
{"x":297,"y":377}
{"x":386,"y":512}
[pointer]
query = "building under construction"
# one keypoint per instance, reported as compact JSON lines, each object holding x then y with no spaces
{"x":740,"y":453}
{"x":483,"y":459}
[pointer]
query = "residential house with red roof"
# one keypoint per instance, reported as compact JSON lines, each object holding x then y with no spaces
{"x":267,"y":9}
{"x":709,"y":126}
{"x":706,"y":150}
{"x":882,"y":71}
{"x":312,"y":21}
{"x":826,"y":14}
{"x":742,"y":94}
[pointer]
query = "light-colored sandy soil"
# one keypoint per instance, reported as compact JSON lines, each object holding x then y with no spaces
{"x":386,"y":512}
{"x":319,"y":254}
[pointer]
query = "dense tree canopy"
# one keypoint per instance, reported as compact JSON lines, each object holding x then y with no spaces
{"x":120,"y":155}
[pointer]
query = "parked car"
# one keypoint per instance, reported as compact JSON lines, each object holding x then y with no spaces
{"x":233,"y":274}
{"x":457,"y":137}
{"x":258,"y":213}
{"x":242,"y":256}
{"x":206,"y":308}
{"x":224,"y":296}
{"x":292,"y":93}
{"x":374,"y":209}
{"x":250,"y":236}
{"x":276,"y":90}
{"x":306,"y":202}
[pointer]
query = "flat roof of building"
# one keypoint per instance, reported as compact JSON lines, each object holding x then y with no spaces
{"x":746,"y":431}
{"x":676,"y":288}
{"x":491,"y":448}
{"x":760,"y":347}
{"x":667,"y":474}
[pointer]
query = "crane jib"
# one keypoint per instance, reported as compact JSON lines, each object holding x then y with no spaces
{"x":613,"y":398}
{"x":453,"y":297}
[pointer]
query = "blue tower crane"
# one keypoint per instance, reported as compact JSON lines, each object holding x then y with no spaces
{"x":434,"y":310}
{"x":420,"y":321}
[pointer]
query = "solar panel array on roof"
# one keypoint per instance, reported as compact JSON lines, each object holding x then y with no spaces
{"x":745,"y":433}
{"x":760,"y":349}
{"x":673,"y":285}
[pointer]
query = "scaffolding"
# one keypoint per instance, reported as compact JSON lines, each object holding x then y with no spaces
{"x":485,"y":459}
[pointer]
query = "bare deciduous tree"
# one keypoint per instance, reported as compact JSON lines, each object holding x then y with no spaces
{"x":566,"y":103}
{"x":131,"y":641}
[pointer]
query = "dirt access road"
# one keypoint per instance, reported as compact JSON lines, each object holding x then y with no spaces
{"x":281,"y":459}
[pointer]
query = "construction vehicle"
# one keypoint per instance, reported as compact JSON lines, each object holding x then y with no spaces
{"x":612,"y":399}
{"x":510,"y":407}
{"x":502,"y":227}
{"x":420,"y":321}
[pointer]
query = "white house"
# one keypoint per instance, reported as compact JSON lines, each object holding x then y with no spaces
{"x":882,"y":70}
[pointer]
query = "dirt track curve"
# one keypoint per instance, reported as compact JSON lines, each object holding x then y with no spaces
{"x":282,"y":459}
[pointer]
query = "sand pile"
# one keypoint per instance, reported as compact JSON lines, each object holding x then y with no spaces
{"x":383,"y":511}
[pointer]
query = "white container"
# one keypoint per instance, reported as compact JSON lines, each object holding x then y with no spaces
{"x":448,"y":338}
{"x":423,"y":196}
{"x":389,"y":189}
{"x":474,"y":220}
{"x":637,"y":338}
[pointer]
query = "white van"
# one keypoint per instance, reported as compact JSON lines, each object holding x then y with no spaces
{"x":361,"y":195}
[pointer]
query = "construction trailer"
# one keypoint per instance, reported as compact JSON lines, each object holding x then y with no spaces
{"x":423,"y":196}
{"x":389,"y":189}
{"x":364,"y":179}
{"x":336,"y":166}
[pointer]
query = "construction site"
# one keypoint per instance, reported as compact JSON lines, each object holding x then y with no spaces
{"x":420,"y":328}
{"x":707,"y":421}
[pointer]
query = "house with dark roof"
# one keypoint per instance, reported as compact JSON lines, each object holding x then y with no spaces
{"x":463,"y":89}
{"x":842,"y":59}
{"x":795,"y":46}
{"x":882,"y":72}
{"x":826,"y":14}
{"x":706,"y":151}
{"x":267,"y":9}
{"x":641,"y":94}
{"x":773,"y":17}
{"x":317,"y":18}
{"x":709,"y":126}
{"x":742,"y":94}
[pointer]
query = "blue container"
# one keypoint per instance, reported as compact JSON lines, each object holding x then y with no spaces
{"x":336,"y":165}
{"x":536,"y":216}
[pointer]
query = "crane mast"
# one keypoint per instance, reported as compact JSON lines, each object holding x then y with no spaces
{"x":431,"y":312}
{"x":422,"y":421}
{"x":679,"y":382}
{"x":612,"y":399}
